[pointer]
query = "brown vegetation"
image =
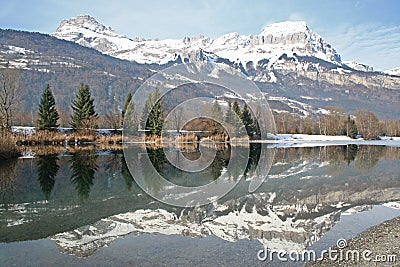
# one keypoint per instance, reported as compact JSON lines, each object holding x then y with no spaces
{"x":109,"y":139}
{"x":8,"y":149}
{"x":187,"y":138}
{"x":44,"y":150}
{"x":338,"y":123}
{"x":41,"y":138}
{"x":207,"y":126}
{"x":61,"y":138}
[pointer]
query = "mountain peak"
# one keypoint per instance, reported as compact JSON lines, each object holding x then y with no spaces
{"x":87,"y":31}
{"x":86,"y":22}
{"x":285,"y":28}
{"x":289,"y":38}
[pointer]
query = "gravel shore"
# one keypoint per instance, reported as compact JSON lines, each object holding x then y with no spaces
{"x":377,"y":246}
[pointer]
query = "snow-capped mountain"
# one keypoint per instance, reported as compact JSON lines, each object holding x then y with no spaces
{"x":298,"y":71}
{"x":260,"y":221}
{"x":394,"y":71}
{"x":358,"y":66}
{"x":275,"y":40}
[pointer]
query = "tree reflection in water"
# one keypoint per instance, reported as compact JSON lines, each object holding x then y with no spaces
{"x":8,"y":172}
{"x":157,"y":159}
{"x":83,"y":167}
{"x":350,"y":152}
{"x":126,"y":174}
{"x":47,"y":168}
{"x":317,"y":178}
{"x":368,"y":157}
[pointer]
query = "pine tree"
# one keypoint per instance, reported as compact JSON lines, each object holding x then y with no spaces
{"x":127,"y":101}
{"x":84,"y":114}
{"x":351,"y":128}
{"x":248,"y":121}
{"x":128,"y":115}
{"x":216,"y":111}
{"x":237,"y":116}
{"x":229,"y":116}
{"x":47,"y":115}
{"x":153,"y":114}
{"x":236,"y":109}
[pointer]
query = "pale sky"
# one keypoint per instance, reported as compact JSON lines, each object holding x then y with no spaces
{"x":366,"y":31}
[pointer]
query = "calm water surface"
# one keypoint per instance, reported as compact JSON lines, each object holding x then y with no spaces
{"x":84,"y":208}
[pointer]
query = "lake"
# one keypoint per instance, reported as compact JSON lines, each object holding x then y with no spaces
{"x":83,"y":207}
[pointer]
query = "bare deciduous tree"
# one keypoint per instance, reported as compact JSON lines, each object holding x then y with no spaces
{"x":113,"y":120}
{"x":178,"y":119}
{"x":368,"y":124}
{"x":9,"y":97}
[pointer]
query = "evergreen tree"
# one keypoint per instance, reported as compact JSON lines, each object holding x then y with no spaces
{"x":248,"y":121}
{"x":47,"y":115}
{"x":126,"y":174}
{"x":229,"y":116}
{"x":128,"y":115}
{"x":351,"y":128}
{"x":216,"y":113}
{"x":236,"y":109}
{"x":127,"y":101}
{"x":153,"y":115}
{"x":237,"y":116}
{"x":84,"y":114}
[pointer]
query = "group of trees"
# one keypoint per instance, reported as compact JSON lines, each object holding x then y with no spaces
{"x":83,"y":116}
{"x":241,"y":118}
{"x":333,"y":122}
{"x":336,"y":122}
{"x":215,"y":121}
{"x":152,"y":118}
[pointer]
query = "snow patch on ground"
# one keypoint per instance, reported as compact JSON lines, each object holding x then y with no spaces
{"x":393,"y":205}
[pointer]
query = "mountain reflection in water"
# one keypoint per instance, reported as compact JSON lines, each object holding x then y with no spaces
{"x":85,"y":200}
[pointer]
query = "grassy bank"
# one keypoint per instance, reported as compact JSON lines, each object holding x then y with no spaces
{"x":67,"y":138}
{"x":107,"y":138}
{"x":8,"y":149}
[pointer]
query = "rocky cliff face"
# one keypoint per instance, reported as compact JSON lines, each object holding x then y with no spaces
{"x":274,"y":41}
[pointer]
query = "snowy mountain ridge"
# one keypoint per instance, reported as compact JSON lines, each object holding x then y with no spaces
{"x":231,"y":225}
{"x":275,"y":40}
{"x":394,"y":71}
{"x":297,"y":70}
{"x":358,"y":66}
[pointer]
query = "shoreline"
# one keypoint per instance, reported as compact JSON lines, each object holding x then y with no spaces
{"x":380,"y":244}
{"x":117,"y":142}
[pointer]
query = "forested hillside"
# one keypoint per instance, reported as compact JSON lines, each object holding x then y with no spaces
{"x":42,"y":59}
